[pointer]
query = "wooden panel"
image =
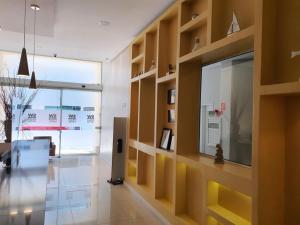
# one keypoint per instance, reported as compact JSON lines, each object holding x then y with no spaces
{"x":151,"y":49}
{"x":190,"y":7}
{"x":187,"y":39}
{"x":281,"y":37}
{"x":162,"y":109}
{"x":222,"y":11}
{"x":292,"y":151}
{"x":134,"y":107}
{"x":147,"y":110}
{"x":188,"y":108}
{"x":164,"y":178}
{"x":181,"y":187}
{"x":168,"y":32}
{"x":145,"y":175}
{"x":271,"y":161}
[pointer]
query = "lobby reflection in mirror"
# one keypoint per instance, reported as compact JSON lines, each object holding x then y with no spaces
{"x":226,"y":108}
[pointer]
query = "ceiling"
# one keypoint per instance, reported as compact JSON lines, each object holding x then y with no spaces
{"x":72,"y":28}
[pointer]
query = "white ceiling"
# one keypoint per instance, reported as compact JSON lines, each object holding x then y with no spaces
{"x":70,"y":28}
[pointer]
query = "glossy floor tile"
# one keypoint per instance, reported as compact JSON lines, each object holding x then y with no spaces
{"x":78,"y":194}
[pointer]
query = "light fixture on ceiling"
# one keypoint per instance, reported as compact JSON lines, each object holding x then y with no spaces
{"x":32,"y":85}
{"x":104,"y":23}
{"x":23,"y":66}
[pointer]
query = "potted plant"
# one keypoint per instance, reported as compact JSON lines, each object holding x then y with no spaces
{"x":13,"y":88}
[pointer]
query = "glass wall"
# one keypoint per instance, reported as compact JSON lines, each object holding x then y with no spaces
{"x":81,"y":120}
{"x":70,"y":117}
{"x":54,"y":69}
{"x":226,"y":108}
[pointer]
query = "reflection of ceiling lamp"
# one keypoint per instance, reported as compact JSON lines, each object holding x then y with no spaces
{"x":32,"y":85}
{"x":23,"y":66}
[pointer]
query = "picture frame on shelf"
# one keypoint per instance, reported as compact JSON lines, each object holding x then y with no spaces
{"x":171,"y":116}
{"x":165,"y":141}
{"x":171,"y":96}
{"x":172,"y":145}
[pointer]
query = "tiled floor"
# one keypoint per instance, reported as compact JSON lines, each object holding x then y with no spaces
{"x":78,"y":194}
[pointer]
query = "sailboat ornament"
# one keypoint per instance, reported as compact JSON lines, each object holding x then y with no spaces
{"x":234,"y":26}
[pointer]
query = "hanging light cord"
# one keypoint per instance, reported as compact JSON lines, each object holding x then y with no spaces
{"x":34,"y":38}
{"x":25,"y":22}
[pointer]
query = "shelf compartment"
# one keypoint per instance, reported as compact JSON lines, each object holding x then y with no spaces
{"x":212,"y":221}
{"x":279,"y":164}
{"x":138,"y":59}
{"x":189,"y":193}
{"x":189,"y":7}
{"x":137,"y":68}
{"x":189,"y":33}
{"x":147,"y":110}
{"x":168,"y":34}
{"x":194,"y":24}
{"x":162,"y":109}
{"x":280,"y":37}
{"x":145,"y":174}
{"x":231,"y":205}
{"x":148,"y":74}
{"x":167,"y":79}
{"x":132,"y":164}
{"x":188,"y":109}
{"x":132,"y":154}
{"x":164,"y":180}
{"x":233,"y":45}
{"x":292,"y":88}
{"x":222,"y":12}
{"x":151,"y":49}
{"x":134,"y":107}
{"x":132,"y":172}
{"x":138,"y":47}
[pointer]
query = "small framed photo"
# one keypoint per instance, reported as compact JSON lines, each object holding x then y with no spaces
{"x":172,"y":145}
{"x":171,"y":96}
{"x":165,"y":141}
{"x":171,"y":115}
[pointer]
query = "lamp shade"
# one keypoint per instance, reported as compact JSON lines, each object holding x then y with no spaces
{"x":32,"y":81}
{"x":23,"y":66}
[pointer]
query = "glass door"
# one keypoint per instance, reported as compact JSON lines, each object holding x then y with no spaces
{"x":80,"y":122}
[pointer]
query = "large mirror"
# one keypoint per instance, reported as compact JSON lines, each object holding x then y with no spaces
{"x":226,"y":108}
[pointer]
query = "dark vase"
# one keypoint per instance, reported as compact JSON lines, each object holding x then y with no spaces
{"x":8,"y":130}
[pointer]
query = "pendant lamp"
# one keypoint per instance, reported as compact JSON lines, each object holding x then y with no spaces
{"x":23,"y":66}
{"x":32,"y":85}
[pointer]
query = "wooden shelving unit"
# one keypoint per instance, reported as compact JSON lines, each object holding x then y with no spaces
{"x":138,"y":57}
{"x":145,"y":172}
{"x":190,"y":8}
{"x":163,"y":107}
{"x":132,"y":164}
{"x":164,"y":179}
{"x":185,"y":186}
{"x":189,"y":198}
{"x":222,"y":12}
{"x":278,"y":112}
{"x":134,"y":109}
{"x":230,"y":206}
{"x":147,"y":110}
{"x":280,"y":39}
{"x":168,"y":37}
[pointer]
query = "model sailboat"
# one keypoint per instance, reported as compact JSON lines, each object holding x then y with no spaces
{"x":234,"y":26}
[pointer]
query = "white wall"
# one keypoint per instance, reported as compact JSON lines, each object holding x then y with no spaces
{"x":115,"y":95}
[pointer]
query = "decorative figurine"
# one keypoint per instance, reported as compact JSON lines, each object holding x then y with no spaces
{"x":171,"y":69}
{"x":219,"y":159}
{"x":152,"y":65}
{"x":194,"y":16}
{"x":295,"y":54}
{"x":234,"y":26}
{"x":196,"y":44}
